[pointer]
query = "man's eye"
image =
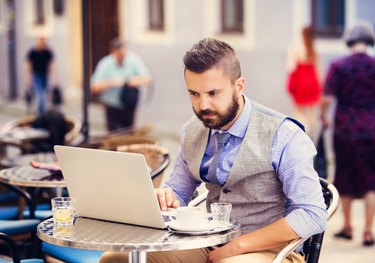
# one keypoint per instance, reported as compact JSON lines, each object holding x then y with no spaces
{"x":194,"y":94}
{"x":214,"y":93}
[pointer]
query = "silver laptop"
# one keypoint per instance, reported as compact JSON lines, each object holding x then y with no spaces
{"x":110,"y":185}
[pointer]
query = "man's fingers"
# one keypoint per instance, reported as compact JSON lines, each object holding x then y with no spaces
{"x":169,"y":195}
{"x":166,"y":198}
{"x":160,"y":194}
{"x":176,"y":203}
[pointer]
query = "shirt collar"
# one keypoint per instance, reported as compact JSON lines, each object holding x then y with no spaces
{"x":239,"y":127}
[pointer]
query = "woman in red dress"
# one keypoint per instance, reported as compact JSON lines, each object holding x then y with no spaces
{"x":303,"y":82}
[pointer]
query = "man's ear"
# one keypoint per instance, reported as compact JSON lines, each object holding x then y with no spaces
{"x":240,"y":85}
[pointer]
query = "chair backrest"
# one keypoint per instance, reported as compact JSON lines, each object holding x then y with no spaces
{"x":157,"y":158}
{"x":313,"y":245}
{"x":22,"y":194}
{"x":113,"y":142}
{"x":14,"y":253}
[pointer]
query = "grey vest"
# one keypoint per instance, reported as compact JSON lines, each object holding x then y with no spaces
{"x":252,"y":187}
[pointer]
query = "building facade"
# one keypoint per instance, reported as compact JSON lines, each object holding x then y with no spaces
{"x":161,"y":31}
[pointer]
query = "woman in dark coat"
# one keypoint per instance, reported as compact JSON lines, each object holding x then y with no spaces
{"x":351,"y":82}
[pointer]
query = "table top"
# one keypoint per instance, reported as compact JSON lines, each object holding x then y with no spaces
{"x":110,"y":236}
{"x":26,"y":175}
{"x":19,"y":135}
{"x":25,"y":159}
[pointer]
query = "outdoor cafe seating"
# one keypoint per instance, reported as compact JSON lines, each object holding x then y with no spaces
{"x":20,"y":230}
{"x":22,"y":134}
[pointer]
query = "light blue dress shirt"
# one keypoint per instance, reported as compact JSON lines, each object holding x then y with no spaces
{"x":109,"y":69}
{"x":292,"y":154}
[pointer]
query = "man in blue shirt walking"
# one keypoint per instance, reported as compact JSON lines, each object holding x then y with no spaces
{"x":120,"y":69}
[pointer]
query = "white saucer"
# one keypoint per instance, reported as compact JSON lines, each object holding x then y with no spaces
{"x":206,"y":228}
{"x":201,"y":227}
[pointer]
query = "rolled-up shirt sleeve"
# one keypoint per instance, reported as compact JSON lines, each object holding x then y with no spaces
{"x":292,"y":157}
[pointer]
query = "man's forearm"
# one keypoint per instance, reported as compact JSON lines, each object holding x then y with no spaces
{"x":274,"y":235}
{"x":138,"y":81}
{"x":101,"y":86}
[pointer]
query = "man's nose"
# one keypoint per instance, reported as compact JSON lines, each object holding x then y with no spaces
{"x":204,"y":103}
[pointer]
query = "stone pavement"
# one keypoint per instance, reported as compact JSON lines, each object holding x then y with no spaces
{"x":333,"y":250}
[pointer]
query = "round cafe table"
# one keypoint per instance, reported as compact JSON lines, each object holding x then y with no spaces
{"x":94,"y":234}
{"x":25,"y":159}
{"x":28,"y":176}
{"x":21,"y":173}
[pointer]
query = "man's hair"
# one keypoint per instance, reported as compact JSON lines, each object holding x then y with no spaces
{"x":211,"y":53}
{"x":116,"y":44}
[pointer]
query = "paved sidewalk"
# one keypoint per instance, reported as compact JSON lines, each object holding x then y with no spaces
{"x":333,"y":250}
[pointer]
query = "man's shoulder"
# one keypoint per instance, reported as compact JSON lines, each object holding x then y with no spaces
{"x":262,"y":109}
{"x":31,"y":53}
{"x":106,"y":62}
{"x":192,"y":126}
{"x":133,"y":57}
{"x":193,"y":123}
{"x":277,"y":116}
{"x":106,"y":59}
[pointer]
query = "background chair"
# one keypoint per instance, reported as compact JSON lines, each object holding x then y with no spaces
{"x":54,"y":253}
{"x":96,"y":142}
{"x":312,"y":245}
{"x":73,"y":129}
{"x":157,"y":158}
{"x":7,"y":240}
{"x":113,"y":142}
{"x":23,"y":230}
{"x":10,"y":209}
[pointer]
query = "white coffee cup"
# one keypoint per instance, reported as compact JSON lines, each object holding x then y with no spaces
{"x":190,"y":216}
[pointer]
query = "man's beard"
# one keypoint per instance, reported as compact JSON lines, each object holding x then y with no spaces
{"x":221,"y":120}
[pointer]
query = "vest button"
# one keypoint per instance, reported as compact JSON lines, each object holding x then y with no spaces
{"x":226,"y":190}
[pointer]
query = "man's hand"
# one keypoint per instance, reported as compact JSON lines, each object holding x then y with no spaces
{"x":229,"y":250}
{"x":138,"y":81}
{"x":167,"y":198}
{"x":117,"y":83}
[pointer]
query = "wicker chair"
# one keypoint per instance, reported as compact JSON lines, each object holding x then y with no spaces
{"x":157,"y":158}
{"x":113,"y":142}
{"x":120,"y":137}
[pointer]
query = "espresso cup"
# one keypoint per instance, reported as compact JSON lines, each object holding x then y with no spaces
{"x":190,"y":216}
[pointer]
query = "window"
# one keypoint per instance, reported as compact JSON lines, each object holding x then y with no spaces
{"x":39,"y":13}
{"x":156,"y":15}
{"x":232,"y":14}
{"x":328,"y":17}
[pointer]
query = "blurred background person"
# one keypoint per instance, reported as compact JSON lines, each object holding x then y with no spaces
{"x":40,"y":60}
{"x":117,"y":79}
{"x":351,"y":83}
{"x":303,"y":83}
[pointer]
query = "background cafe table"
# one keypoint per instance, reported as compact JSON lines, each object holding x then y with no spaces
{"x":31,"y":177}
{"x":94,"y":234}
{"x":22,"y":137}
{"x":23,"y":174}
